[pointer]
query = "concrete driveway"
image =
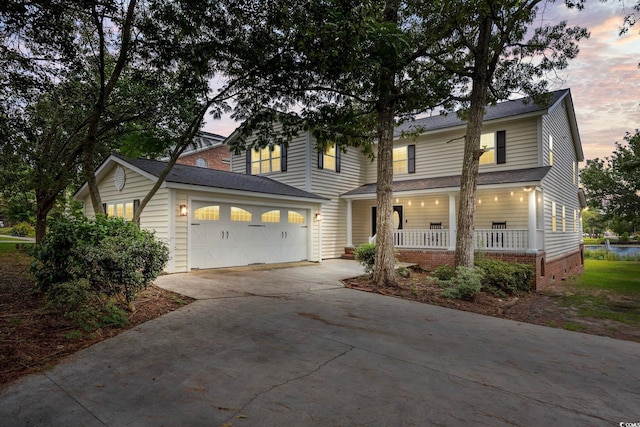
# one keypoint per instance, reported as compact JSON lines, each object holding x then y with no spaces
{"x":292,"y":347}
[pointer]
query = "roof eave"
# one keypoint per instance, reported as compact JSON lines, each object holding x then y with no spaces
{"x":207,"y":189}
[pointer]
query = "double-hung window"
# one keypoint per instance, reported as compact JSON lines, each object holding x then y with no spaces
{"x":494,"y":146}
{"x":404,"y":159}
{"x":330,"y":158}
{"x":266,"y":160}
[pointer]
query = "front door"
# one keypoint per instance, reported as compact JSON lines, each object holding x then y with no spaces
{"x":397,"y":218}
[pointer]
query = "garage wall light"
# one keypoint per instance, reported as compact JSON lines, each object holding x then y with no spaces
{"x":183,"y":210}
{"x":318,"y":216}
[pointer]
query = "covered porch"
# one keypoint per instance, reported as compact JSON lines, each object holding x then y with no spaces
{"x":509,"y":215}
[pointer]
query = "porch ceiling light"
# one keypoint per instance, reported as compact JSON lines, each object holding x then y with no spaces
{"x":528,"y":188}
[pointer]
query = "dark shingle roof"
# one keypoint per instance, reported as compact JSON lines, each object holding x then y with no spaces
{"x":498,"y":111}
{"x":487,"y":178}
{"x":212,"y":178}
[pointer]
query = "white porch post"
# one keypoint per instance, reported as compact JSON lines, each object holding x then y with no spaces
{"x":452,"y":222}
{"x":349,"y":224}
{"x":533,"y":244}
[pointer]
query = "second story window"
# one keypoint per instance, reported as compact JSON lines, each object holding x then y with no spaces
{"x":550,"y":150}
{"x":329,"y":158}
{"x":404,"y":159}
{"x":265,"y":160}
{"x":495,"y":148}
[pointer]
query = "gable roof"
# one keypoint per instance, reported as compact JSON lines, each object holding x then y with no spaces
{"x":518,"y":176}
{"x":502,"y":110}
{"x":204,"y":178}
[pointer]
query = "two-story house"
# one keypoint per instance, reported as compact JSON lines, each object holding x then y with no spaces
{"x":293,"y":203}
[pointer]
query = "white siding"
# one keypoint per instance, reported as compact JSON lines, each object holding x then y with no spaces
{"x":558,"y":185}
{"x":331,"y":184}
{"x":155,"y":214}
{"x":295,"y":175}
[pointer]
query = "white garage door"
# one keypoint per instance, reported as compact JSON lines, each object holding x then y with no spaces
{"x":226,"y":235}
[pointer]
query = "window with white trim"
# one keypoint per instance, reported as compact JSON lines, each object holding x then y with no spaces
{"x":553,"y":217}
{"x":201,"y":162}
{"x":120,"y":210}
{"x":265,"y":160}
{"x":488,"y":144}
{"x":329,"y":158}
{"x":564,"y":220}
{"x":550,"y":150}
{"x":400,"y":160}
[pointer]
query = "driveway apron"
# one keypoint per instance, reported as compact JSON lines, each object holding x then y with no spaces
{"x":289,"y":345}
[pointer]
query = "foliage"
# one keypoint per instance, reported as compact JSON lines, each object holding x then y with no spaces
{"x":612,"y":185}
{"x":506,"y":278}
{"x":365,"y":255}
{"x":114,"y":256}
{"x":593,"y":222}
{"x":603,"y":254}
{"x":22,"y":229}
{"x":444,"y":272}
{"x":466,"y":283}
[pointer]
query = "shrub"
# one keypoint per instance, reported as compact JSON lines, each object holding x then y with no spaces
{"x":444,"y":272}
{"x":624,"y":237}
{"x":504,"y":278}
{"x":22,"y":229}
{"x":466,"y":283}
{"x":113,"y":256}
{"x":73,"y":298}
{"x":365,"y":254}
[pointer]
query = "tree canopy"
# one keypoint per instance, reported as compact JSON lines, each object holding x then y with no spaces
{"x":612,"y":184}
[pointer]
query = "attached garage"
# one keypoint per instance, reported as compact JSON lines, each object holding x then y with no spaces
{"x":211,"y":218}
{"x":227,"y":234}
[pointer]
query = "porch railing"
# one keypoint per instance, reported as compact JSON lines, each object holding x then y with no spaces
{"x":496,"y":240}
{"x":502,"y":240}
{"x":429,"y":239}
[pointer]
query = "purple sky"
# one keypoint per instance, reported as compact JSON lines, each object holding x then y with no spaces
{"x":604,"y":79}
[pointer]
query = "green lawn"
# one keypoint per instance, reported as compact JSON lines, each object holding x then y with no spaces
{"x":10,"y":247}
{"x":607,"y":290}
{"x":621,"y":277}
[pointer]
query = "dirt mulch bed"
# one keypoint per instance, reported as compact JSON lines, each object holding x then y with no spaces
{"x":540,"y":308}
{"x":34,"y":338}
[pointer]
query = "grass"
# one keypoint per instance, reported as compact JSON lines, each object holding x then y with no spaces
{"x":621,"y":277}
{"x":8,"y":248}
{"x":607,"y":290}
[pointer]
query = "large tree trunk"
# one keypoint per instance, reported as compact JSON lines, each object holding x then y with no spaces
{"x":44,"y":204}
{"x":464,"y":255}
{"x":384,"y":262}
{"x":88,"y":163}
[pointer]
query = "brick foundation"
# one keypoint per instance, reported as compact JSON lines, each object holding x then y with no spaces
{"x":547,"y":271}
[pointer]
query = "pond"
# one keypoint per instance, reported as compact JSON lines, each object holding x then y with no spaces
{"x":620,"y":250}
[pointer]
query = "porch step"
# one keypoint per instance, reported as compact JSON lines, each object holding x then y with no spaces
{"x":348,"y":253}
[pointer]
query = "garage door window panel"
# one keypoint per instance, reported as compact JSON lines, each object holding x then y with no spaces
{"x":294,"y":217}
{"x":271,"y":216}
{"x":207,"y":213}
{"x":240,"y":215}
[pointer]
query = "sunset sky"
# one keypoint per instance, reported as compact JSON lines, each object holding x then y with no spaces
{"x":604,"y":79}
